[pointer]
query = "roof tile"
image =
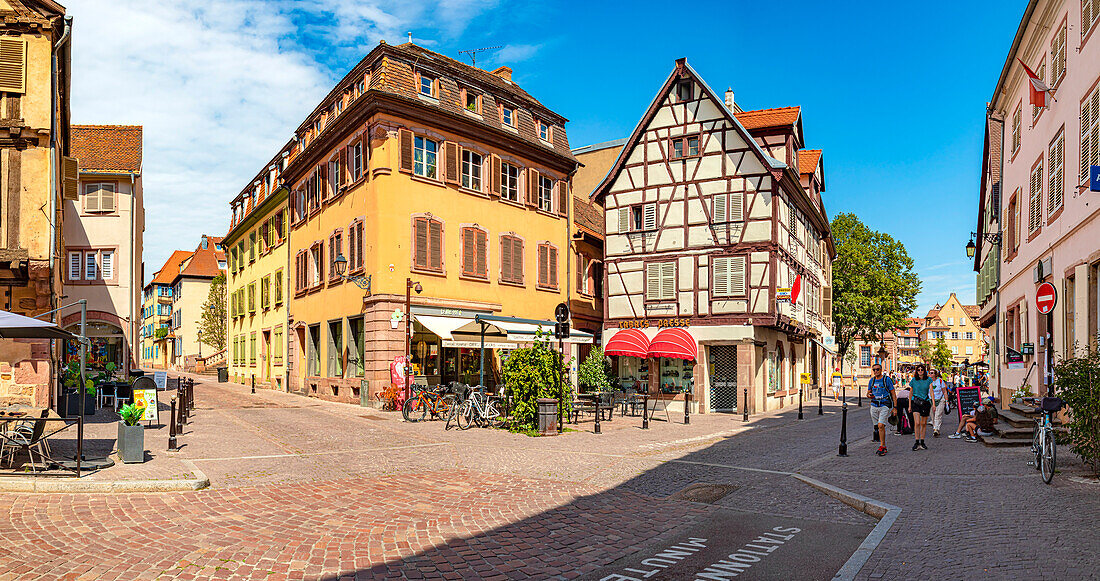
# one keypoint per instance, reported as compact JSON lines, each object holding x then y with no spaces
{"x":107,"y":147}
{"x":761,"y":118}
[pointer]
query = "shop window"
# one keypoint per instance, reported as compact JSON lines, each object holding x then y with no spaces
{"x":424,"y":351}
{"x":633,"y":373}
{"x":676,"y":375}
{"x":356,"y":353}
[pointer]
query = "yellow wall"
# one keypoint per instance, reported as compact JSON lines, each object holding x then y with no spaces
{"x":953,"y":318}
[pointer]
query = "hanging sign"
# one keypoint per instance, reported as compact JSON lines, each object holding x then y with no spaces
{"x":161,"y":379}
{"x":1046,"y":296}
{"x":807,"y":379}
{"x":782,"y":295}
{"x":796,"y":288}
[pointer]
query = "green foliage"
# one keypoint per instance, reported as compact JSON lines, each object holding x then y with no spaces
{"x":941,"y":355}
{"x":131,"y":414}
{"x":1022,"y":392}
{"x":874,"y":285}
{"x":1076,"y":379}
{"x":532,"y":373}
{"x":594,"y":373}
{"x":214,"y":314}
{"x":926,"y":349}
{"x":160,"y":333}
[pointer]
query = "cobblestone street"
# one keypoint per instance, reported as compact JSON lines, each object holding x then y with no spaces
{"x":305,"y":489}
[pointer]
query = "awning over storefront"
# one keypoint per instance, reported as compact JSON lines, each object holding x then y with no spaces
{"x":673,"y":342}
{"x":629,"y":343}
{"x":442,"y":326}
{"x":514,"y":332}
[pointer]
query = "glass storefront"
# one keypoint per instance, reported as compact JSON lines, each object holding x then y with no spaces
{"x":676,"y":375}
{"x":105,"y":346}
{"x":633,"y":373}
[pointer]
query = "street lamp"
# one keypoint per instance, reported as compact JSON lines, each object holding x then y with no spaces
{"x":992,"y":238}
{"x":340,"y":265}
{"x":410,"y":286}
{"x":882,"y":354}
{"x":200,"y":343}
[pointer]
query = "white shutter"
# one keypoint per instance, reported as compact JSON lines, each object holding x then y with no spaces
{"x":91,"y":199}
{"x":107,"y":264}
{"x":736,"y":202}
{"x":1085,"y":125}
{"x":624,"y":220}
{"x":107,"y":197}
{"x":649,"y":217}
{"x":737,"y":276}
{"x":720,"y":286}
{"x":719,"y":208}
{"x":668,"y":280}
{"x":74,"y":266}
{"x":90,"y":266}
{"x":652,"y":281}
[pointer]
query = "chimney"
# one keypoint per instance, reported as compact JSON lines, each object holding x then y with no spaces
{"x":204,"y":241}
{"x":504,"y":73}
{"x":730,"y":103}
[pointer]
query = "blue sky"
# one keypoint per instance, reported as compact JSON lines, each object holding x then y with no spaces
{"x":894,"y":95}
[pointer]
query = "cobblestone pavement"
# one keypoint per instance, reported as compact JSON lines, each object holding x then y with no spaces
{"x":304,"y":489}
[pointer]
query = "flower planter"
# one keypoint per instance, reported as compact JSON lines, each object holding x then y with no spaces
{"x":131,"y":443}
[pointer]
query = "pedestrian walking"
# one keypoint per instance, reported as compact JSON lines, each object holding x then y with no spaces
{"x":901,"y":409}
{"x":939,"y":402}
{"x":922,"y":398}
{"x":880,"y":391}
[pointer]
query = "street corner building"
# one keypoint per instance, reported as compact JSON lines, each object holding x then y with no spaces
{"x":717,"y":251}
{"x":38,"y":175}
{"x":417,"y":179}
{"x":1037,"y":212}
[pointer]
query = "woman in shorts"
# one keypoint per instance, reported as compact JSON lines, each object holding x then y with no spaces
{"x":920,"y":403}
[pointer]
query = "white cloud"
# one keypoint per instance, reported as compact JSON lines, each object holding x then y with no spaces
{"x":220,"y":85}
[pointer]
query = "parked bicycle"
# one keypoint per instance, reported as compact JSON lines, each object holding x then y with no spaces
{"x":480,"y":409}
{"x":426,"y":400}
{"x":1043,"y":444}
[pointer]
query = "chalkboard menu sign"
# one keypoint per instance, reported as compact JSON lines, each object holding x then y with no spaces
{"x":967,"y":398}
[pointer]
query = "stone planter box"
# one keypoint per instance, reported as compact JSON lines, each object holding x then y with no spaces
{"x":131,"y":443}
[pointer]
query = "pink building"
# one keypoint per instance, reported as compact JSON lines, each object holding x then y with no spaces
{"x":1038,"y":221}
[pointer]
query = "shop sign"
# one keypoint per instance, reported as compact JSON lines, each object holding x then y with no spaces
{"x":782,"y":295}
{"x":659,"y":323}
{"x":147,"y":398}
{"x":397,"y":370}
{"x":1027,"y":348}
{"x":477,"y":344}
{"x":807,"y":378}
{"x":445,"y":312}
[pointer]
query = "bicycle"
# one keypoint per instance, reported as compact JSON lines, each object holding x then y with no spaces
{"x":479,"y":408}
{"x":426,"y":400}
{"x":1043,"y":443}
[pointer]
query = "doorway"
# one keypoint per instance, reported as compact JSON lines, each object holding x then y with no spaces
{"x":723,"y":378}
{"x":266,"y":354}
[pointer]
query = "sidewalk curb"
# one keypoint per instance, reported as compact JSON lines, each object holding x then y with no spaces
{"x":886,"y":513}
{"x":58,"y":485}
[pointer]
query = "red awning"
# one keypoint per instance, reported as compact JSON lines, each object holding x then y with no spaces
{"x":673,"y":342}
{"x":628,"y":342}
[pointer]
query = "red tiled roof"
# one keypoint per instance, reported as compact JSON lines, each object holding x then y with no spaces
{"x":204,"y":262}
{"x":589,"y":216}
{"x":761,"y":118}
{"x":971,"y":311}
{"x":107,"y":147}
{"x":171,"y":268}
{"x":807,"y":160}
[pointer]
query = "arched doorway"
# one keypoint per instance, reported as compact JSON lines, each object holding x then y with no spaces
{"x":106,"y":344}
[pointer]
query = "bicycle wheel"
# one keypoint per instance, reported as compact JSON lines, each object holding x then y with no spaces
{"x":1037,"y":447}
{"x":452,"y":415}
{"x":414,"y":410}
{"x":1048,"y":457}
{"x":493,"y":417}
{"x":465,"y":415}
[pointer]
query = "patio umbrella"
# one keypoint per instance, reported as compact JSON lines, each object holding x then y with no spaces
{"x":18,"y":326}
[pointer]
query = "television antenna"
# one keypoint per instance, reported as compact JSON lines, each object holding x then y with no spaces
{"x":473,"y":53}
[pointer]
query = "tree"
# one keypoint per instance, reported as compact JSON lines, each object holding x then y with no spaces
{"x":874,"y":286}
{"x":214,"y":314}
{"x":926,"y":350}
{"x":941,"y":355}
{"x":594,"y":373}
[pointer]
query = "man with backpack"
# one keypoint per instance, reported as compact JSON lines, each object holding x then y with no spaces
{"x":880,"y":390}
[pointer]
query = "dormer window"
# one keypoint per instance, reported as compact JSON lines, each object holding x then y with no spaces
{"x":472,"y":101}
{"x":544,"y":131}
{"x":684,"y":91}
{"x":508,"y":116}
{"x":427,"y":85}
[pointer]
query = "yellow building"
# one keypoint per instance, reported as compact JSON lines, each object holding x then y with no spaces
{"x":417,"y":167}
{"x":156,"y":311}
{"x":35,"y":77}
{"x":957,"y":325}
{"x":257,"y":249}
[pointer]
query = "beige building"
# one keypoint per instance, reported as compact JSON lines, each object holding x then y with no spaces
{"x":156,"y":311}
{"x":103,"y":235}
{"x":34,"y":110}
{"x":178,"y":347}
{"x":957,"y":325}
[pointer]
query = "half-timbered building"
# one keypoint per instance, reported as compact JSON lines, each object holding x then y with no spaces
{"x":715,"y":224}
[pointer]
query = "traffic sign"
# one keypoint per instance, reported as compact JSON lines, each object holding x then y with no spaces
{"x":1046,"y":296}
{"x":561,"y":313}
{"x":1094,"y":178}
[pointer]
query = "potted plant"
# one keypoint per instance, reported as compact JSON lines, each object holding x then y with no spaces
{"x":73,"y":397}
{"x":131,"y":434}
{"x":1021,"y":392}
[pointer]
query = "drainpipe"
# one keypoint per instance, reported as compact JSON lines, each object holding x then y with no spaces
{"x":133,"y":237}
{"x":1000,"y":254}
{"x":53,"y":179}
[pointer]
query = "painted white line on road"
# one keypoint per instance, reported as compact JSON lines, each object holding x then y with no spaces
{"x":328,"y":453}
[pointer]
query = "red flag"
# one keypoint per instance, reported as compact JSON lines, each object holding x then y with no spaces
{"x":795,"y":288}
{"x":1039,"y":89}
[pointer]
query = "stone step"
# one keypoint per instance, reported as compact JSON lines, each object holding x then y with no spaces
{"x":1016,"y":419}
{"x":1024,"y":409}
{"x":999,"y":442}
{"x":1016,"y":433}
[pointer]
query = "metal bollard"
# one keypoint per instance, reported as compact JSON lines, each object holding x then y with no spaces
{"x":820,"y":396}
{"x":844,"y":430}
{"x":179,"y":422}
{"x":687,"y":406}
{"x":253,"y":383}
{"x":745,"y":405}
{"x":645,"y":411}
{"x":800,"y":402}
{"x":172,"y":428}
{"x":598,"y":413}
{"x":859,"y":397}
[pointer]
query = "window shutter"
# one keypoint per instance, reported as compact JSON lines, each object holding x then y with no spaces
{"x":624,"y":220}
{"x":1086,"y":124}
{"x":468,"y":258}
{"x":450,"y":162}
{"x":532,"y":187}
{"x":649,"y":218}
{"x":544,"y":261}
{"x":668,"y":280}
{"x":563,"y":197}
{"x":342,"y":175}
{"x":435,"y":239}
{"x":719,"y":214}
{"x":89,"y":266}
{"x":326,"y":186}
{"x":494,"y":179}
{"x":405,"y":162}
{"x":506,"y":259}
{"x":421,"y":227}
{"x":74,"y":266}
{"x":737,"y":276}
{"x":827,"y":303}
{"x":720,"y":286}
{"x":553,"y":253}
{"x":13,"y":65}
{"x":653,"y":281}
{"x":91,"y":200}
{"x":107,"y":264}
{"x":70,"y":172}
{"x":580,"y":273}
{"x":517,"y":260}
{"x":736,"y":207}
{"x":482,"y":252}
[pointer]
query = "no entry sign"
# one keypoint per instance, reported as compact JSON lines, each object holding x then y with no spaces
{"x":1045,"y":298}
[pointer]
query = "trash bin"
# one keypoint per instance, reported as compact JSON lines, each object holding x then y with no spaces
{"x":548,"y":416}
{"x":223,"y":375}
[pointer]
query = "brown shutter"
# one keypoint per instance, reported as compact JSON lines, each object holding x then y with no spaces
{"x":421,"y":228}
{"x":532,"y":187}
{"x":450,"y":162}
{"x":482,"y":253}
{"x":494,"y":178}
{"x":580,"y":272}
{"x":13,"y":65}
{"x":517,"y":260}
{"x":405,"y":162}
{"x":364,"y":148}
{"x":70,"y":173}
{"x":345,"y":176}
{"x":553,"y":252}
{"x":468,"y":260}
{"x":435,"y":240}
{"x":506,"y":258}
{"x":322,"y":172}
{"x":544,"y":260}
{"x":563,"y":198}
